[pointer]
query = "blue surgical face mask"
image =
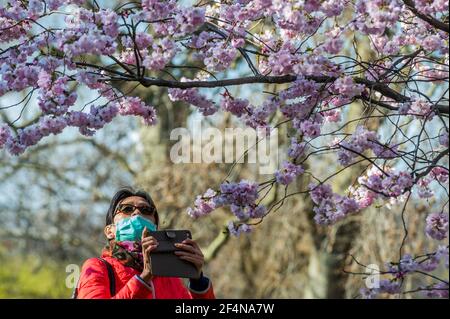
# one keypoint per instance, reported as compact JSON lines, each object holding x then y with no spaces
{"x":132,"y":228}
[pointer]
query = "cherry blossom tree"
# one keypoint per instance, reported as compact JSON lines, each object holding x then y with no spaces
{"x":306,"y":50}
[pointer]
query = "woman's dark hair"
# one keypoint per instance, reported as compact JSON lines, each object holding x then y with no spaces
{"x":123,"y":193}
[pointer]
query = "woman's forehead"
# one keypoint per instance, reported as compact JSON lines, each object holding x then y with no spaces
{"x":134,"y":200}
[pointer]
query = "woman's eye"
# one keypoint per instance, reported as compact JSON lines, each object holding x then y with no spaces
{"x":128,"y":209}
{"x":146,"y":211}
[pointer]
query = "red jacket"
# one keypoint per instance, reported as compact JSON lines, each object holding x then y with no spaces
{"x":94,"y":284}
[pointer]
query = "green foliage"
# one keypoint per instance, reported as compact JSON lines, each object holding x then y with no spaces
{"x":32,"y":277}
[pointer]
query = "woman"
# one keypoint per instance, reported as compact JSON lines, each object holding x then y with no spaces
{"x":124,"y":269}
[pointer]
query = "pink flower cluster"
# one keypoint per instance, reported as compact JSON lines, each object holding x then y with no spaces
{"x":161,"y":54}
{"x":389,"y":286}
{"x":433,"y":260}
{"x":330,"y":207}
{"x":294,"y":21}
{"x":189,"y":19}
{"x":257,"y":116}
{"x":304,"y":94}
{"x":240,"y":197}
{"x":431,"y":7}
{"x":30,"y":135}
{"x":288,"y":173}
{"x":192,"y":96}
{"x":438,"y":290}
{"x":238,"y":229}
{"x":310,"y":127}
{"x":381,"y":184}
{"x":438,"y":174}
{"x":219,"y":57}
{"x":154,"y":54}
{"x":346,"y":87}
{"x":443,"y":139}
{"x":301,"y":87}
{"x":158,"y":9}
{"x":89,"y":32}
{"x":11,"y":30}
{"x":203,"y":204}
{"x":5,"y":134}
{"x":297,"y":149}
{"x":333,"y":45}
{"x":418,"y":107}
{"x":282,"y":62}
{"x":376,"y":16}
{"x":407,"y":266}
{"x":55,"y":97}
{"x":360,"y":141}
{"x":216,"y":53}
{"x":233,"y":105}
{"x":244,"y":193}
{"x":135,"y":106}
{"x":437,"y":225}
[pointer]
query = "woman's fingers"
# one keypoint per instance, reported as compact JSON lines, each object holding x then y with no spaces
{"x":144,"y":247}
{"x":198,"y":263}
{"x":149,"y":239}
{"x":191,"y":242}
{"x":149,"y":249}
{"x":145,"y":233}
{"x":188,"y":254}
{"x":149,"y":243}
{"x":188,"y":248}
{"x":197,"y":260}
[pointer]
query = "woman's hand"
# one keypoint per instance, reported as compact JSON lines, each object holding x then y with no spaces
{"x":190,"y":251}
{"x":149,"y":244}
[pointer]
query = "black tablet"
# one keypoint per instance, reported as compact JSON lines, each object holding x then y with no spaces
{"x":164,"y":262}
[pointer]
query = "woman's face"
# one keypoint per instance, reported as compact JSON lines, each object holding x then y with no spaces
{"x":110,"y":230}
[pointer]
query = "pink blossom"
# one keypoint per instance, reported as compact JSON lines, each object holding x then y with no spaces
{"x":437,"y":225}
{"x":203,"y":205}
{"x":360,"y":141}
{"x":346,"y":86}
{"x":440,"y":174}
{"x":161,"y":54}
{"x":309,"y":128}
{"x":134,"y":106}
{"x":282,"y":62}
{"x":237,"y":230}
{"x":189,"y":19}
{"x":333,"y":45}
{"x":420,"y":107}
{"x":192,"y":96}
{"x":288,"y":173}
{"x":5,"y":134}
{"x":296,"y":149}
{"x":52,"y":125}
{"x":14,"y":146}
{"x":330,"y":208}
{"x":234,"y":105}
{"x":386,"y":184}
{"x":300,"y":88}
{"x":258,"y":115}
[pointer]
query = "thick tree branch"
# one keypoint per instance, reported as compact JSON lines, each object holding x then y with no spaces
{"x":434,"y":22}
{"x":220,"y":241}
{"x":382,"y":88}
